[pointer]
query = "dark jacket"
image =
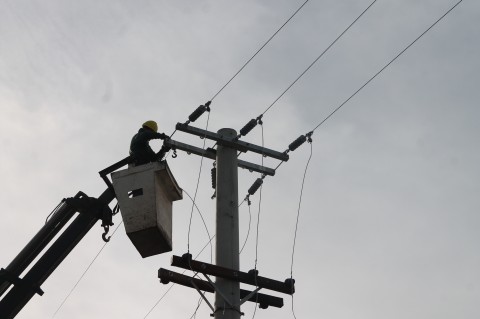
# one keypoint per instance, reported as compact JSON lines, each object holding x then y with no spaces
{"x":140,"y":150}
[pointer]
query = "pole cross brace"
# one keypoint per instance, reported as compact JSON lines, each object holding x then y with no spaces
{"x":250,"y":278}
{"x":212,"y":154}
{"x":231,"y":142}
{"x":167,"y":276}
{"x":202,"y":295}
{"x":235,"y":305}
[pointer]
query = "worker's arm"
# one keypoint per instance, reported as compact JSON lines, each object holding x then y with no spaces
{"x":150,"y":135}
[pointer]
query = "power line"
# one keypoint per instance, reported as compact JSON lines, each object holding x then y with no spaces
{"x":81,"y":277}
{"x":298,"y":217}
{"x":258,"y":226}
{"x":196,"y":188}
{"x":244,"y":65}
{"x":204,"y":224}
{"x":371,"y":79}
{"x":258,"y":51}
{"x":299,"y":206}
{"x":387,"y":65}
{"x":249,"y":225}
{"x":253,"y":122}
{"x":318,"y":58}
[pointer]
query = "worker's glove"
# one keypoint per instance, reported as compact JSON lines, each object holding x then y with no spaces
{"x":162,"y":136}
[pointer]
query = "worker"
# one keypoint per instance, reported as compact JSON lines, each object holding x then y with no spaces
{"x":140,"y":150}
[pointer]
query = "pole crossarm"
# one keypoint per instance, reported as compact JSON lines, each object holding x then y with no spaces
{"x":231,"y":142}
{"x":212,"y":154}
{"x":287,"y":287}
{"x":166,"y":276}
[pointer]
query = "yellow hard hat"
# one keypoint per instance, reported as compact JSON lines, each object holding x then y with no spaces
{"x":151,"y":125}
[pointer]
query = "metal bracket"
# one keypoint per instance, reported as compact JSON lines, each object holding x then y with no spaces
{"x":220,"y":292}
{"x":202,"y":295}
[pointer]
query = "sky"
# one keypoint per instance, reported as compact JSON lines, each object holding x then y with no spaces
{"x":390,"y":213}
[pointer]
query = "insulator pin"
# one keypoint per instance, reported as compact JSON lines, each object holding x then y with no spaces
{"x":248,"y":127}
{"x":214,"y":178}
{"x":255,"y":186}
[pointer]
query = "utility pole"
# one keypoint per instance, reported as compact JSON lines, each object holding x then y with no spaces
{"x":227,"y":241}
{"x":228,"y":295}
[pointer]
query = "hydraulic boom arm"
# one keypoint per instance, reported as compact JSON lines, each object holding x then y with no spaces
{"x":90,"y":211}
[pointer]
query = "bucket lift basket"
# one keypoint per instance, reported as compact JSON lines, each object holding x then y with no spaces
{"x":145,"y":194}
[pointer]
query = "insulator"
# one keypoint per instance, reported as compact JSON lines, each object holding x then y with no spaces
{"x":299,"y":141}
{"x":197,"y":113}
{"x":255,"y":186}
{"x":248,"y":127}
{"x":214,"y":178}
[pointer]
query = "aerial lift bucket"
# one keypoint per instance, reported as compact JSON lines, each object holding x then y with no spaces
{"x":145,"y":194}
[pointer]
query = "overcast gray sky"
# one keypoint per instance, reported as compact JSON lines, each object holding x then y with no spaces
{"x":389,"y":226}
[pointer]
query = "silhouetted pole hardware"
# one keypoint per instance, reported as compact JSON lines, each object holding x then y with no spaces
{"x":228,"y":295}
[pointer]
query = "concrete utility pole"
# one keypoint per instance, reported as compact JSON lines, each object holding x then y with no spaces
{"x":228,"y":295}
{"x":227,"y":241}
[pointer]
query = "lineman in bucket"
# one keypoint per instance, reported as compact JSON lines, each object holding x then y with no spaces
{"x":140,"y":150}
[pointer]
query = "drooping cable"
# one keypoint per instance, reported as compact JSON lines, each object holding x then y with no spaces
{"x":256,"y":246}
{"x":204,"y":224}
{"x":83,"y":274}
{"x":194,"y":315}
{"x":173,"y":284}
{"x":258,"y":51}
{"x":298,"y":217}
{"x":196,"y":188}
{"x":249,"y":223}
{"x":387,"y":65}
{"x":258,"y":226}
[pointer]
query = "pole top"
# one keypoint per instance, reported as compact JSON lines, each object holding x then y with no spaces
{"x":228,"y":132}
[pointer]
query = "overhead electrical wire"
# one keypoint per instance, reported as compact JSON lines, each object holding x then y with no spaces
{"x":204,"y":224}
{"x":249,"y":225}
{"x":335,"y":110}
{"x":196,"y":188}
{"x":386,"y":66}
{"x":198,"y":111}
{"x":318,"y":58}
{"x":253,"y":122}
{"x":298,"y":218}
{"x":258,"y":225}
{"x":258,"y":51}
{"x":309,"y":134}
